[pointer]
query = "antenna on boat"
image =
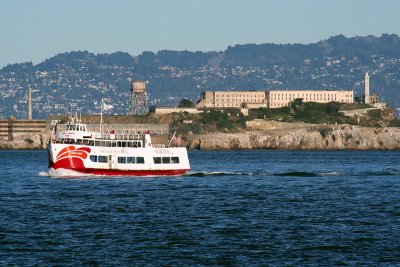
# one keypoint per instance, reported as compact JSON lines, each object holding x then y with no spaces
{"x":172,"y":138}
{"x":101,"y":116}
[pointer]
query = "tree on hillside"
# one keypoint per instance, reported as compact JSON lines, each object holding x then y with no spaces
{"x":185,"y":103}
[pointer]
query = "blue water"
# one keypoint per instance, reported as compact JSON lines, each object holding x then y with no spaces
{"x":235,"y":208}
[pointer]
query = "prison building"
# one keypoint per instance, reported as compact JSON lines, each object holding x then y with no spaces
{"x":270,"y":99}
{"x":282,"y":98}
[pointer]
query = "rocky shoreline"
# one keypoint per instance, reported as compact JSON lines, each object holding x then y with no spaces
{"x":273,"y":135}
{"x":302,"y":137}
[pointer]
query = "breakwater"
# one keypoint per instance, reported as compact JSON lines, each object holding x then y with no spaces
{"x":23,"y":134}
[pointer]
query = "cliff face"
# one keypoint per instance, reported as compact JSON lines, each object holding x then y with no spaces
{"x":308,"y":137}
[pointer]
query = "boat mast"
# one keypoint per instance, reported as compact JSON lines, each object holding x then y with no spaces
{"x":101,"y":117}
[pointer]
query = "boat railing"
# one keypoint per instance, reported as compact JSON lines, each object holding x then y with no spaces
{"x":159,"y":146}
{"x":135,"y":137}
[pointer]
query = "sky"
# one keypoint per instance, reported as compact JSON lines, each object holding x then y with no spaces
{"x":34,"y":30}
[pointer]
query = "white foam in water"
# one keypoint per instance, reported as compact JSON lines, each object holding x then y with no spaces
{"x":65,"y":173}
{"x":43,"y":173}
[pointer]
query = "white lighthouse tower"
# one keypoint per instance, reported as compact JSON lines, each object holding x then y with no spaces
{"x":366,"y":89}
{"x":29,"y":104}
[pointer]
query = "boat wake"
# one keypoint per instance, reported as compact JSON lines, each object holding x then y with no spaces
{"x":298,"y":174}
{"x":308,"y":174}
{"x":219,"y":173}
{"x":43,"y":174}
{"x":64,"y":173}
{"x":384,"y":172}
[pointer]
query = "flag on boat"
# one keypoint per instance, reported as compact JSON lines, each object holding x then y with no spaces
{"x":107,"y":107}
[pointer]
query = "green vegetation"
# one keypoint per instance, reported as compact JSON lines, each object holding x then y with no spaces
{"x":309,"y":112}
{"x":232,"y":120}
{"x":394,"y":123}
{"x":281,"y":114}
{"x":185,"y":103}
{"x":375,"y":114}
{"x":229,"y":120}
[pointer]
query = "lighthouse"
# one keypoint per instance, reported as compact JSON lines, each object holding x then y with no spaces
{"x":366,"y":89}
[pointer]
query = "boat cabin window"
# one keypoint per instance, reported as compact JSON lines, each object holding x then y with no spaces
{"x":71,"y":127}
{"x":102,"y":159}
{"x":131,"y":160}
{"x":166,"y":160}
{"x":174,"y":160}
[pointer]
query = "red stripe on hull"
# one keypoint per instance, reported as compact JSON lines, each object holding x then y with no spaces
{"x":134,"y":172}
{"x":76,"y":164}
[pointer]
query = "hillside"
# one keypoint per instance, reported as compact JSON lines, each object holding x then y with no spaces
{"x":81,"y":77}
{"x":233,"y":121}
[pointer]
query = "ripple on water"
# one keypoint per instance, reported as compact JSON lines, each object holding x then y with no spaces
{"x":232,"y":208}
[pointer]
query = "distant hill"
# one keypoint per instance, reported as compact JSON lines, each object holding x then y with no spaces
{"x":82,"y":77}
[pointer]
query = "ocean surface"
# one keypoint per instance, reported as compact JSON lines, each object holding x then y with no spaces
{"x":234,"y":208}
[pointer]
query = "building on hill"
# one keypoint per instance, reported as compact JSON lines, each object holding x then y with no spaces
{"x":270,"y":99}
{"x":238,"y":99}
{"x":282,"y":98}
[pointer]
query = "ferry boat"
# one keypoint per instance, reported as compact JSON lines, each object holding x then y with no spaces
{"x":125,"y":154}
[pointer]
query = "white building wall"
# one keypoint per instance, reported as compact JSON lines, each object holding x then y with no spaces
{"x":281,"y":98}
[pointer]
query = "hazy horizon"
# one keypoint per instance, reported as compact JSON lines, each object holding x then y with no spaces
{"x":36,"y":30}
